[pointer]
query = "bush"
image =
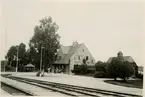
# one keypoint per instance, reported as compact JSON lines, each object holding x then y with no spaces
{"x":120,"y":68}
{"x":100,"y":74}
{"x":81,"y":69}
{"x":100,"y":66}
{"x":140,"y":76}
{"x":10,"y":68}
{"x":76,"y":71}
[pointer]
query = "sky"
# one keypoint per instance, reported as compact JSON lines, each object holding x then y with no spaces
{"x":105,"y":27}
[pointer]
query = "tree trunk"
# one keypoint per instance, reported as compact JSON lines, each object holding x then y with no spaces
{"x":11,"y":63}
{"x":115,"y":78}
{"x":124,"y":79}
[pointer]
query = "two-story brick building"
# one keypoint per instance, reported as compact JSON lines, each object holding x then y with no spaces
{"x":68,"y":56}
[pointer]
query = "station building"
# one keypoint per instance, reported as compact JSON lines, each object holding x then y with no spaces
{"x":69,"y":56}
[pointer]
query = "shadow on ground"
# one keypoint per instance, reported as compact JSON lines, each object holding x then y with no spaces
{"x":129,"y":83}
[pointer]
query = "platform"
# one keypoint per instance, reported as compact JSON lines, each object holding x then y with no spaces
{"x":30,"y":88}
{"x":91,"y":82}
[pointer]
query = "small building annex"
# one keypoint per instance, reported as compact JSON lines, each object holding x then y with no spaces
{"x":68,"y":56}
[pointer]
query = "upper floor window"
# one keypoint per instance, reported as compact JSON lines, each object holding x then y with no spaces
{"x":79,"y":57}
{"x":87,"y":57}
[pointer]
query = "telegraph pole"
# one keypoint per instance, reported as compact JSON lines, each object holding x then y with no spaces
{"x":17,"y":59}
{"x":5,"y":27}
{"x":41,"y":60}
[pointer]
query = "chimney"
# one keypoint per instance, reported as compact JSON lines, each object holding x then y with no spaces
{"x":75,"y":43}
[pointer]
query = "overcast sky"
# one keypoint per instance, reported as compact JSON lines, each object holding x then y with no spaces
{"x":104,"y":27}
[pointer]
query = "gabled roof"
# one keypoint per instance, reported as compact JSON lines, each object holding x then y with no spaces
{"x":68,"y":52}
{"x":65,"y":49}
{"x":29,"y":65}
{"x":126,"y":58}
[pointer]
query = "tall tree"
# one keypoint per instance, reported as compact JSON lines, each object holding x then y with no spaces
{"x":22,"y":53}
{"x":32,"y":56}
{"x":18,"y":51}
{"x":11,"y":55}
{"x":45,"y":42}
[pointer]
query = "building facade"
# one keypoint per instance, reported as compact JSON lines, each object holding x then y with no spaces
{"x":68,"y":56}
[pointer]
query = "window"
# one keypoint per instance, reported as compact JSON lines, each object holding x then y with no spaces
{"x":87,"y":57}
{"x":92,"y":61}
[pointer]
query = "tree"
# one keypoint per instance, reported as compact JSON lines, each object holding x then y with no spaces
{"x":120,"y":68}
{"x":21,"y":49}
{"x":100,"y":66}
{"x":22,"y":53}
{"x":11,"y":55}
{"x":33,"y":57}
{"x":100,"y":70}
{"x":45,"y":42}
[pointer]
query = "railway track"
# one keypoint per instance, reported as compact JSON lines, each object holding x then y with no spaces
{"x":71,"y":90}
{"x":14,"y":91}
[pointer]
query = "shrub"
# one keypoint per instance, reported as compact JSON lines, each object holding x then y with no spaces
{"x":81,"y":70}
{"x":100,"y":66}
{"x":100,"y":74}
{"x":120,"y":68}
{"x":76,"y":71}
{"x":140,"y":76}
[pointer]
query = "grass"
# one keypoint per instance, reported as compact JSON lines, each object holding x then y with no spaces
{"x":138,"y":83}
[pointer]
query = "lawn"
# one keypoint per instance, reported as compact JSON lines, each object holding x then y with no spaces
{"x":130,"y":83}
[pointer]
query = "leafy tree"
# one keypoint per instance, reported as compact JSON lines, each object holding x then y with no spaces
{"x":100,"y":69}
{"x":32,"y":56}
{"x":11,"y":55}
{"x":21,"y":56}
{"x":120,"y":68}
{"x":22,"y":53}
{"x":45,"y":41}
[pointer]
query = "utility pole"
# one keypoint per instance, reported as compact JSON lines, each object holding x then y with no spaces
{"x":5,"y":25}
{"x":17,"y":59}
{"x":41,"y":58}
